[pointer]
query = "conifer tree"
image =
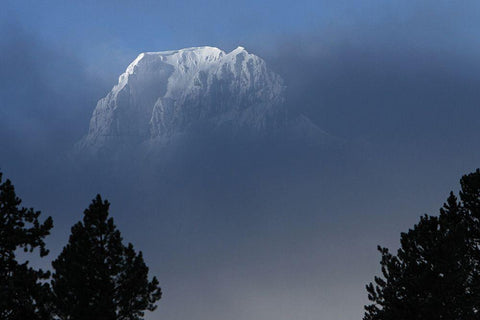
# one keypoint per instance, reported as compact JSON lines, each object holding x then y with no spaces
{"x":97,"y":277}
{"x":24,"y":294}
{"x":435,"y":273}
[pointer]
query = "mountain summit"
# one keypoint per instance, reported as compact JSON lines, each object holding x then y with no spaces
{"x":165,"y":95}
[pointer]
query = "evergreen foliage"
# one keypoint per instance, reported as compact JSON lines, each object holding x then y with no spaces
{"x":435,"y":273}
{"x":24,"y":294}
{"x":97,"y":277}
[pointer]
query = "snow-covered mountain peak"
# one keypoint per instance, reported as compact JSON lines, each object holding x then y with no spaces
{"x":187,"y":57}
{"x":239,"y":50}
{"x":165,"y":94}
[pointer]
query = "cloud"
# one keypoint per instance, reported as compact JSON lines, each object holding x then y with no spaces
{"x":403,"y":78}
{"x":389,"y":74}
{"x":45,"y":95}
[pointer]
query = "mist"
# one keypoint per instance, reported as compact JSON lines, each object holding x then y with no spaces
{"x":268,"y":230}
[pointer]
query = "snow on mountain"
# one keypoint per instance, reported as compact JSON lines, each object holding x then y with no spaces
{"x":162,"y":95}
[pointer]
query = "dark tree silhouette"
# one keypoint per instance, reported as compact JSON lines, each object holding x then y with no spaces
{"x":97,"y":277}
{"x":436,"y":272}
{"x":23,"y":291}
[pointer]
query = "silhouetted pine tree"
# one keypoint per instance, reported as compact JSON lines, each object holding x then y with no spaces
{"x":97,"y":277}
{"x":435,"y":273}
{"x":23,"y":291}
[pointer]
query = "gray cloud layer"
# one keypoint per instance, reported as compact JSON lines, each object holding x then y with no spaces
{"x":297,"y":240}
{"x":45,"y":96}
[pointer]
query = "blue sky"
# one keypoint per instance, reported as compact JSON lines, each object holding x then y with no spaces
{"x":136,"y":26}
{"x":118,"y":30}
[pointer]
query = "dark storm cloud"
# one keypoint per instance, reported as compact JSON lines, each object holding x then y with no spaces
{"x":45,"y":96}
{"x":402,"y":86}
{"x":46,"y":99}
{"x":392,"y":78}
